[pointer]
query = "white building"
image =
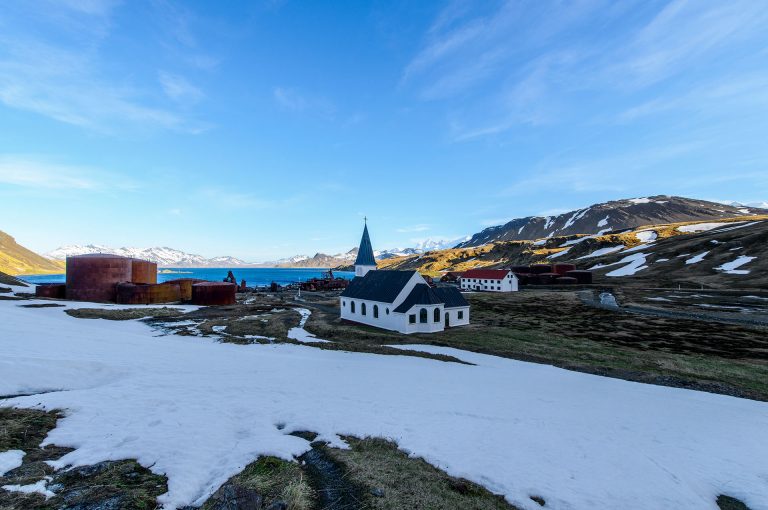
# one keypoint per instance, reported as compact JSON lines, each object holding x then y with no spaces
{"x":491,"y":280}
{"x":399,"y":300}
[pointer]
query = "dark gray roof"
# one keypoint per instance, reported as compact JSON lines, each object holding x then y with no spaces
{"x":382,"y":286}
{"x":450,"y":296}
{"x":422,"y":294}
{"x":365,"y":252}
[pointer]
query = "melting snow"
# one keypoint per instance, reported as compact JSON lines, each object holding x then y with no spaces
{"x":633,"y":264}
{"x":643,"y":200}
{"x":199,"y":411}
{"x":301,"y":334}
{"x":41,"y":487}
{"x":10,"y":460}
{"x":731,"y":267}
{"x":560,"y":253}
{"x":646,"y":236}
{"x":701,"y":227}
{"x":603,"y":222}
{"x":697,"y":258}
{"x":603,"y":251}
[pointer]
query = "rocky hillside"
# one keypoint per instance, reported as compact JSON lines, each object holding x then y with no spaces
{"x":17,"y":260}
{"x":728,"y":253}
{"x":611,"y":216}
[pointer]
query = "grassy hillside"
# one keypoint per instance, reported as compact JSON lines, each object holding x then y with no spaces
{"x":17,"y":260}
{"x":670,"y":243}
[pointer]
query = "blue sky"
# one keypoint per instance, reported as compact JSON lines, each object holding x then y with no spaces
{"x":263,"y":130}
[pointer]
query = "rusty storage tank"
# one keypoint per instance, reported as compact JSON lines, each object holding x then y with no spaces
{"x":185,"y":285}
{"x":561,"y":269}
{"x":51,"y":290}
{"x":532,"y":279}
{"x":548,"y":278}
{"x":94,"y":277}
{"x":520,"y":269}
{"x":541,"y":268}
{"x":214,"y":293}
{"x":523,"y":278}
{"x":146,"y":294}
{"x":583,"y":277}
{"x":567,"y":280}
{"x":143,"y":271}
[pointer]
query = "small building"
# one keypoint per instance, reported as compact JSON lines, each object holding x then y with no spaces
{"x":399,"y":301}
{"x":491,"y":280}
{"x":451,"y":277}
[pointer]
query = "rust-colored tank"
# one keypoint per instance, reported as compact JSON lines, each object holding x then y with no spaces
{"x":214,"y":293}
{"x":561,"y":269}
{"x":95,"y":277}
{"x":146,"y":294}
{"x":523,"y":278}
{"x":143,"y":271}
{"x":541,"y":268}
{"x":547,"y":278}
{"x":567,"y":280}
{"x":51,"y":290}
{"x":583,"y":277}
{"x":521,"y":269}
{"x":185,"y":284}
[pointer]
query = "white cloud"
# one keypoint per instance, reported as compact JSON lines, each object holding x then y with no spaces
{"x":414,"y":228}
{"x":35,"y":172}
{"x":178,"y":88}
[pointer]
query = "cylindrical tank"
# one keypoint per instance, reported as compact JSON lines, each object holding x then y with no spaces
{"x":547,"y":278}
{"x":583,"y":277}
{"x":145,"y":294}
{"x":94,"y":277}
{"x":566,"y":280}
{"x":214,"y":293}
{"x":51,"y":290}
{"x":185,"y":284}
{"x":143,"y":271}
{"x":541,"y":268}
{"x":521,"y":269}
{"x":532,"y":279}
{"x":561,"y":269}
{"x":523,"y":278}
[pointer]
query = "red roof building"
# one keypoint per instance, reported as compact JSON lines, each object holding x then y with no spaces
{"x":493,"y":280}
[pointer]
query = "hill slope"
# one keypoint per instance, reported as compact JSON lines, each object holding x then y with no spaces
{"x":611,"y":216}
{"x":687,"y":253}
{"x":16,"y":259}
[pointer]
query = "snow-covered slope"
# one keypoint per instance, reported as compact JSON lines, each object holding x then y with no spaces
{"x":163,"y":256}
{"x":611,"y":216}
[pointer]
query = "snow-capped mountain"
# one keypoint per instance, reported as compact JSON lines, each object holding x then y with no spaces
{"x":162,"y":256}
{"x":611,"y":216}
{"x":420,"y":247}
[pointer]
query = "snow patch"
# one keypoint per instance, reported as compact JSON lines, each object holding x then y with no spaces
{"x":299,"y":333}
{"x":647,"y":236}
{"x":603,"y":251}
{"x":41,"y":487}
{"x":603,"y":222}
{"x":697,"y":258}
{"x":633,"y":264}
{"x":10,"y":460}
{"x":702,"y":227}
{"x":732,"y":266}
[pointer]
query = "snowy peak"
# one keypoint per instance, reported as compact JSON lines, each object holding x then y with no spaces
{"x":162,"y":256}
{"x":612,"y":216}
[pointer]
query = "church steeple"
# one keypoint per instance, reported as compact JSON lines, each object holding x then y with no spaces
{"x":365,"y":261}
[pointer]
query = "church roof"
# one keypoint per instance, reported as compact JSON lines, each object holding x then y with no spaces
{"x":450,"y":296}
{"x":381,"y":286}
{"x":422,"y":294}
{"x":365,"y":252}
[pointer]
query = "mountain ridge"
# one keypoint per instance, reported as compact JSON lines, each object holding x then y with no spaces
{"x":611,"y":216}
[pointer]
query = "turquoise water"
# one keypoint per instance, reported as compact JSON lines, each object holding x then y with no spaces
{"x":253,"y":276}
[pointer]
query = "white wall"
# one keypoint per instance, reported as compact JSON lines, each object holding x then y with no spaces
{"x":392,"y":321}
{"x":431,"y":326}
{"x":454,"y":316}
{"x":508,"y":284}
{"x":361,"y":270}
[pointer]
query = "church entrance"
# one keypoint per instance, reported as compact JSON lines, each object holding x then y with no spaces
{"x":447,"y":319}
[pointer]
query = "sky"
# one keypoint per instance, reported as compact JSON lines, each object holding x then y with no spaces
{"x":265,"y":129}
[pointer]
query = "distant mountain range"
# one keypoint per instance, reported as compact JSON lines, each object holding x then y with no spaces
{"x":162,"y":256}
{"x":611,"y":217}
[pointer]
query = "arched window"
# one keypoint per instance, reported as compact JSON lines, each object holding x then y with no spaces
{"x":423,"y":316}
{"x":352,"y":306}
{"x":362,"y":308}
{"x":375,"y":311}
{"x":387,"y":311}
{"x":437,"y":315}
{"x":343,"y":303}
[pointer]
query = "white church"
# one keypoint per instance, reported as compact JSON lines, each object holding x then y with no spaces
{"x":399,"y":300}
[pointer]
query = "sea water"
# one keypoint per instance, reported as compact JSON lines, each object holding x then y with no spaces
{"x":253,"y":276}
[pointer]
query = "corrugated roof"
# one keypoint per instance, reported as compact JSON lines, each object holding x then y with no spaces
{"x":450,"y":296}
{"x":422,"y":294}
{"x":488,"y":274}
{"x":382,"y":286}
{"x":365,"y":252}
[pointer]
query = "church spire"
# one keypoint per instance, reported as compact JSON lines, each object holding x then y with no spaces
{"x":365,"y":260}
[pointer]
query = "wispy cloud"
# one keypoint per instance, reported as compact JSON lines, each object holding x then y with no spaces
{"x":414,"y":228}
{"x":295,"y":100}
{"x":55,"y":69}
{"x":41,"y":173}
{"x":178,"y":88}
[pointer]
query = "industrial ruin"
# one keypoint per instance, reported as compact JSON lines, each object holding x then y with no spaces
{"x":104,"y":278}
